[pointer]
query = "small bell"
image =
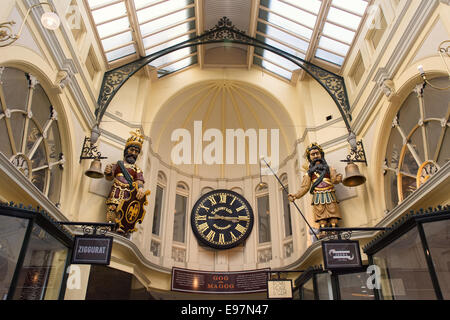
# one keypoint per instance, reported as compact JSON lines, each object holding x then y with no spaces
{"x":353,"y":176}
{"x":95,"y":170}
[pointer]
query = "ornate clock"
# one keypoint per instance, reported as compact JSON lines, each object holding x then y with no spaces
{"x":222,"y":219}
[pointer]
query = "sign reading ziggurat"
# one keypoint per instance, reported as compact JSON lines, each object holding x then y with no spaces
{"x":219,"y":282}
{"x":91,"y":249}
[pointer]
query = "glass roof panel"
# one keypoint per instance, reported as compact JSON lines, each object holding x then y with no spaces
{"x":168,"y":44}
{"x":310,"y":5}
{"x":282,"y":47}
{"x":96,"y":3}
{"x":334,"y":46}
{"x":163,"y":23}
{"x":341,"y":23}
{"x":356,"y":6}
{"x":290,"y":12}
{"x":160,"y":9}
{"x":172,"y":57}
{"x":120,"y":53}
{"x":330,"y":57}
{"x":177,"y":66}
{"x":286,"y":24}
{"x":113,"y":27}
{"x":283,"y":37}
{"x":117,"y":41}
{"x":276,"y":59}
{"x":166,"y":21}
{"x":334,"y":31}
{"x":109,"y":13}
{"x":273,"y":68}
{"x":168,"y":34}
{"x":344,"y":18}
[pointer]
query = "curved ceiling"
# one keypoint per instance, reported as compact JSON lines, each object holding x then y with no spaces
{"x":222,"y":105}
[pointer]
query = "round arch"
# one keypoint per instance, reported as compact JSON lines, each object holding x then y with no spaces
{"x":29,"y":62}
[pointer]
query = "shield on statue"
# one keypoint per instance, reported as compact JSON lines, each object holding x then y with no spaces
{"x":131,"y":210}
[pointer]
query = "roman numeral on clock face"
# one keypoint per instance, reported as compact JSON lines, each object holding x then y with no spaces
{"x":202,"y":227}
{"x":210,"y":235}
{"x":240,"y":228}
{"x":212,"y":200}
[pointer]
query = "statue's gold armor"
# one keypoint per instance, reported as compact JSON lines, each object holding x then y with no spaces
{"x":324,"y":201}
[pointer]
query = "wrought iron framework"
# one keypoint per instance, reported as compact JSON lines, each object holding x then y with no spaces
{"x":224,"y":31}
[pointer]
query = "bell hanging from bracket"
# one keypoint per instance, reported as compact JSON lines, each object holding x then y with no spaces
{"x":353,"y":177}
{"x":95,"y":170}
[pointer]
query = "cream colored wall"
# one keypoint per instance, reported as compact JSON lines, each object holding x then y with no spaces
{"x":307,"y":104}
{"x":377,"y":127}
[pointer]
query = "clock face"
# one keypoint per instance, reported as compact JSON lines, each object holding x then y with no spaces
{"x":222,"y":219}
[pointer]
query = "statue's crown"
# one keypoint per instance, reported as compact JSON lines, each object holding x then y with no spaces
{"x":136,"y":139}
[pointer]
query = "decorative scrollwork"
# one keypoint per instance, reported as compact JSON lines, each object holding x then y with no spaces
{"x":87,"y":229}
{"x":335,"y":86}
{"x":225,"y":30}
{"x":89,"y":150}
{"x":358,"y":154}
{"x":96,"y":230}
{"x":6,"y":34}
{"x":338,"y":235}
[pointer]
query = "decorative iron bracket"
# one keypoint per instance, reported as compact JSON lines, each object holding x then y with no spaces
{"x":93,"y":228}
{"x":224,"y":32}
{"x":89,"y":150}
{"x":357,"y":154}
{"x":346,"y":233}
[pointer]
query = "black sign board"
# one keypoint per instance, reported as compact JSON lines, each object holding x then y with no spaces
{"x":219,"y":282}
{"x":91,"y":249}
{"x":341,"y":254}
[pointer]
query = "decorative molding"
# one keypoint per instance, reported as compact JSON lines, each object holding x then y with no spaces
{"x":412,"y":31}
{"x":11,"y":171}
{"x":63,"y":63}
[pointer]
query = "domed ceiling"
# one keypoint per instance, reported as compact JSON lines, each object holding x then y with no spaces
{"x":186,"y":118}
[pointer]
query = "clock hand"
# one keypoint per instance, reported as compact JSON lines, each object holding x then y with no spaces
{"x":233,"y":219}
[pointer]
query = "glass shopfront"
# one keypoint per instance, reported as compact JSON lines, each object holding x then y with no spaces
{"x":414,"y":258}
{"x":34,"y":254}
{"x":318,"y":284}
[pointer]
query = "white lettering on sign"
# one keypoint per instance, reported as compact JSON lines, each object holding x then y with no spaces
{"x":91,"y":249}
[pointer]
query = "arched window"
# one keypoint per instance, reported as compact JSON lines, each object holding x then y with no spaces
{"x":262,"y":203}
{"x":179,"y":222}
{"x":29,"y":132}
{"x":286,"y":206}
{"x":159,"y":198}
{"x":419,"y":141}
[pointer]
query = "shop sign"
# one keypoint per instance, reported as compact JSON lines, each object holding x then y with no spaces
{"x":91,"y":249}
{"x":219,"y":282}
{"x":341,"y":254}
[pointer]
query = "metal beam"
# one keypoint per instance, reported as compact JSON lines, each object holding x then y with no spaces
{"x":225,"y":32}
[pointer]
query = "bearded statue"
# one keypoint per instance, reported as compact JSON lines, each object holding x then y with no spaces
{"x":319,"y":180}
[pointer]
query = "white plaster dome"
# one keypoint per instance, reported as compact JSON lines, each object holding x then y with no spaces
{"x":222,"y":105}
